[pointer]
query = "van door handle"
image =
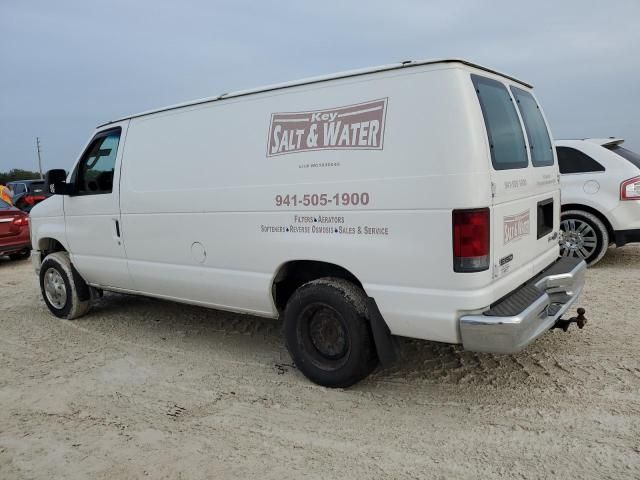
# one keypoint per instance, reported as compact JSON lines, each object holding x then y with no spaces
{"x":116,"y":237}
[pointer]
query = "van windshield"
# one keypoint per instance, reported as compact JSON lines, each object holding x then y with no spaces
{"x":506,"y":140}
{"x":537,"y":133}
{"x":633,"y":157}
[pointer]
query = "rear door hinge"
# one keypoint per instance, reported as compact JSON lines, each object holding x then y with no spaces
{"x":493,"y":190}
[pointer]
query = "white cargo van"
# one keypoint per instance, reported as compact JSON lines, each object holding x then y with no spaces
{"x":419,"y":199}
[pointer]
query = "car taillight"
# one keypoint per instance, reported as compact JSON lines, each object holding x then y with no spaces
{"x":471,"y":240}
{"x":22,"y":221}
{"x":630,"y":189}
{"x":33,"y":199}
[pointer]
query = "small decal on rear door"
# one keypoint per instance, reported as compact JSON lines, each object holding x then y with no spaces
{"x":516,"y":226}
{"x":352,"y":127}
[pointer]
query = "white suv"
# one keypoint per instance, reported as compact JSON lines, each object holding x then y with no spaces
{"x":600,"y":182}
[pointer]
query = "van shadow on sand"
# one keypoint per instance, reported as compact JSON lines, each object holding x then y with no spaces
{"x":154,"y":323}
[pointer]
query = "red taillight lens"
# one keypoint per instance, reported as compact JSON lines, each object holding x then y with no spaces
{"x":630,"y":189}
{"x":471,"y":240}
{"x":22,"y":221}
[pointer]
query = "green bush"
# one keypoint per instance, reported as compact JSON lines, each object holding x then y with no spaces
{"x":18,"y":174}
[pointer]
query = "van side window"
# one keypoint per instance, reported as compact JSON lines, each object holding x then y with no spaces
{"x":537,"y":133}
{"x":95,"y":170}
{"x":506,"y":139}
{"x":571,"y":160}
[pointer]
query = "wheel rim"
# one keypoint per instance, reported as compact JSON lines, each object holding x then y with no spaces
{"x":578,"y":239}
{"x":324,"y":334}
{"x":327,"y":333}
{"x":55,"y":289}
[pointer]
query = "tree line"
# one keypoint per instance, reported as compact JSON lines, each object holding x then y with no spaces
{"x":18,"y":174}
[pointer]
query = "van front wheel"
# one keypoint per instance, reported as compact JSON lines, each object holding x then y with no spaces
{"x":63,"y":290}
{"x":328,"y":334}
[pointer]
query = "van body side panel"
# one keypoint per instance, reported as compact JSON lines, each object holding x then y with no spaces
{"x":201,"y":175}
{"x":212,"y":203}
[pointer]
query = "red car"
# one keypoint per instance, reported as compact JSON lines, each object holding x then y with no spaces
{"x":15,"y":239}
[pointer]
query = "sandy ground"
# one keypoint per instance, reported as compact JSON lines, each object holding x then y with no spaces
{"x":143,"y":388}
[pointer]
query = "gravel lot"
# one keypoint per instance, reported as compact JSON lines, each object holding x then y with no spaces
{"x":142,"y":388}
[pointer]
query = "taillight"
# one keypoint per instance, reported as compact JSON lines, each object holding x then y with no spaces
{"x":471,"y":240}
{"x":22,"y":221}
{"x":33,"y":199}
{"x":630,"y":189}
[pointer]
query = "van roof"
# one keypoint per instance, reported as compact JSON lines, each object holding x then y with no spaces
{"x":318,"y":79}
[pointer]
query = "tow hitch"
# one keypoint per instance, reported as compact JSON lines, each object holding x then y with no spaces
{"x":580,"y":320}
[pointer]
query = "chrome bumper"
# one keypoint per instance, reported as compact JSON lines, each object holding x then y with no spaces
{"x":558,"y":287}
{"x":36,"y":260}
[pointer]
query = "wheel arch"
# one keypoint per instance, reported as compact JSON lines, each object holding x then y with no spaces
{"x":294,"y":273}
{"x":593,"y":211}
{"x":48,"y":245}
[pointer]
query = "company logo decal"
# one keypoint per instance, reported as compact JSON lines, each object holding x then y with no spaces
{"x":516,"y":226}
{"x":352,"y":127}
{"x":505,"y":260}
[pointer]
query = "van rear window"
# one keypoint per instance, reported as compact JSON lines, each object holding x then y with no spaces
{"x":537,"y":133}
{"x":506,"y":140}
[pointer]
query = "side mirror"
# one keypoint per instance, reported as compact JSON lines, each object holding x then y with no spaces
{"x":55,"y":181}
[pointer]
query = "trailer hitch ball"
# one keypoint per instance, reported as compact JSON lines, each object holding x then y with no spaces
{"x":580,"y":320}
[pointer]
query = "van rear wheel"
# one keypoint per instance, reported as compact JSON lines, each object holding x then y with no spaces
{"x":328,"y":334}
{"x":63,"y":290}
{"x":583,"y":235}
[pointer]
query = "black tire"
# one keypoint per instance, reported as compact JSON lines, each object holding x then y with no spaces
{"x":328,"y":334}
{"x":19,"y":256}
{"x":584,"y":236}
{"x":63,"y":289}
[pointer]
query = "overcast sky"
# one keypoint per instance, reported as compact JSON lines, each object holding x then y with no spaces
{"x":67,"y":66}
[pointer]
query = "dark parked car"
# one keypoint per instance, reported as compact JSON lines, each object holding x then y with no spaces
{"x":28,"y":193}
{"x":15,"y":239}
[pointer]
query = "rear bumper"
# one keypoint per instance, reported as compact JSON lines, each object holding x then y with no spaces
{"x":526,"y":313}
{"x":622,"y":237}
